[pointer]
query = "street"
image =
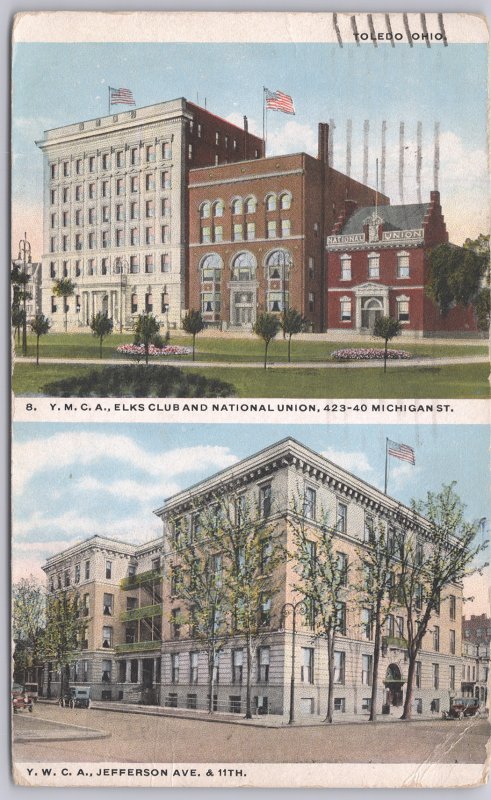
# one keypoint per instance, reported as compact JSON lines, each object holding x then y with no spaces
{"x":143,"y":738}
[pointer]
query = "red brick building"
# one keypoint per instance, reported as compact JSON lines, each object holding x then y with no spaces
{"x":257,"y":235}
{"x":377,"y":266}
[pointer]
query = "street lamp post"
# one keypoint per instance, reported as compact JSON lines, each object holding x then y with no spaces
{"x":294,"y":608}
{"x":122,"y":265}
{"x":25,"y":257}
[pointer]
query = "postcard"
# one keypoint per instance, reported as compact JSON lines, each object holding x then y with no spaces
{"x":250,"y":374}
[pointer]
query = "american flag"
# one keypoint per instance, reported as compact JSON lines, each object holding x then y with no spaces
{"x":402,"y":451}
{"x":279,"y":101}
{"x":121,"y":96}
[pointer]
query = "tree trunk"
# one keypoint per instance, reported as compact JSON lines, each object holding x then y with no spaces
{"x":147,"y":344}
{"x":289,"y":348}
{"x":376,"y":659}
{"x":266,"y":354}
{"x":330,"y":670}
{"x":37,"y":350}
{"x":408,"y":702}
{"x":248,"y":714}
{"x":66,"y":321}
{"x":100,"y":347}
{"x":194,"y":339}
{"x":211,"y":679}
{"x":385,"y":356}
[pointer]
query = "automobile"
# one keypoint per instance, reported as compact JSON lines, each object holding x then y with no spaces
{"x":76,"y":697}
{"x":32,"y":690}
{"x":461,"y":707}
{"x":21,"y":700}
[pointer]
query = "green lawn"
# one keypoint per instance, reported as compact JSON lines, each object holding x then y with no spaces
{"x":460,"y":381}
{"x":83,"y":345}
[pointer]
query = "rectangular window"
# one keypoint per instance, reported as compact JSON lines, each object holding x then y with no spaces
{"x":165,"y":180}
{"x":109,"y":569}
{"x":366,"y":670}
{"x":366,"y":704}
{"x":174,"y":660}
{"x":265,"y":610}
{"x":67,"y":577}
{"x":218,"y":233}
{"x":271,"y":229}
{"x":87,"y":570}
{"x":106,"y":671}
{"x":345,"y":268}
{"x":417,"y":675}
{"x":235,"y":704}
{"x":451,"y":670}
{"x":77,"y":573}
{"x":342,"y":566}
{"x":66,"y":195}
{"x":120,"y":186}
{"x":340,"y":704}
{"x":149,"y":209}
{"x":91,"y":163}
{"x":134,"y":184}
{"x":436,"y":638}
{"x":307,"y":665}
{"x":53,"y":171}
{"x":436,"y":676}
{"x":237,"y":233}
{"x":134,"y":156}
{"x":134,"y":265}
{"x":403,"y":265}
{"x":452,"y":642}
{"x":105,"y":161}
{"x":403,"y":310}
{"x":263,"y":658}
{"x":107,"y":636}
{"x":166,"y":150}
{"x":175,"y":623}
{"x":150,"y":153}
{"x":165,"y":207}
{"x":309,"y":503}
{"x":193,"y":667}
{"x":237,"y":665}
{"x":452,"y":607}
{"x":165,"y":234}
{"x":339,"y":666}
{"x":345,"y":310}
{"x":285,"y":228}
{"x":149,"y":235}
{"x":251,"y":230}
{"x":341,"y":517}
{"x":149,"y":263}
{"x":366,"y":623}
{"x":120,"y":159}
{"x":265,"y":500}
{"x":192,"y":701}
{"x":341,"y":618}
{"x":108,"y":604}
{"x":373,"y":265}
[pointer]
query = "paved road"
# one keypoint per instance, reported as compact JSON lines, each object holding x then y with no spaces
{"x":411,"y":362}
{"x":141,"y":738}
{"x":39,"y":727}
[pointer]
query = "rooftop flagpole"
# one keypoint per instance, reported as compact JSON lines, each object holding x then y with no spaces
{"x":264,"y":120}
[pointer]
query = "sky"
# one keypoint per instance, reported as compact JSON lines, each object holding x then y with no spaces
{"x":73,"y":481}
{"x":58,"y":84}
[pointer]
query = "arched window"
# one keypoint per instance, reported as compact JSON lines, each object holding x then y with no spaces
{"x":237,"y":205}
{"x":211,"y":268}
{"x":285,"y":200}
{"x":270,"y":202}
{"x":278,"y":264}
{"x":244,"y":267}
{"x":204,"y":210}
{"x":218,"y":208}
{"x":250,"y":205}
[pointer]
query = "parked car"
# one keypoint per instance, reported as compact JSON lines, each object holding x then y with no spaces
{"x":32,"y":690}
{"x":461,"y":707}
{"x":76,"y":697}
{"x":21,"y":700}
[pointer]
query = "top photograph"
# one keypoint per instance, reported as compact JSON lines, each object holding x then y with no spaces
{"x":250,"y":205}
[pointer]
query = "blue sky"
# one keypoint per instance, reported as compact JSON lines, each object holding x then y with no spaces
{"x":73,"y":481}
{"x":56,"y":84}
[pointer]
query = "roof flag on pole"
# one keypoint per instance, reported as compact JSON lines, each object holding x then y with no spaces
{"x":397,"y":450}
{"x":279,"y":101}
{"x":124,"y":96}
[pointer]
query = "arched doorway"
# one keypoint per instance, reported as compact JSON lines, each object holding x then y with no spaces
{"x":393,"y":685}
{"x":372,"y":309}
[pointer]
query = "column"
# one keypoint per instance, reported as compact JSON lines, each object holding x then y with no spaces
{"x":140,"y":670}
{"x":128,"y":671}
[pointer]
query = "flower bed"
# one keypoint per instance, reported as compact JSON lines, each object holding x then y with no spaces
{"x":368,"y":354}
{"x":139,"y":350}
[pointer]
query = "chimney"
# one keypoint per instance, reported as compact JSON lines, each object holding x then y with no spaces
{"x":246,"y":124}
{"x":323,"y":143}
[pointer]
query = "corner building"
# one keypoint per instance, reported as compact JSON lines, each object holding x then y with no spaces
{"x":257,"y":234}
{"x":273,"y":480}
{"x":377,"y":266}
{"x":115,"y":208}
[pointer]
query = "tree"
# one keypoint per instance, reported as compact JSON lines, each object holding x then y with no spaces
{"x":65,"y":288}
{"x":28,"y":619}
{"x":266,"y":326}
{"x":251,"y":551}
{"x":146,"y":328}
{"x":17,"y":319}
{"x":20,"y":294}
{"x":193,"y":323}
{"x":64,"y":629}
{"x":291,"y":322}
{"x":101,"y":326}
{"x":436,"y":548}
{"x":323,"y":581}
{"x":40,"y":326}
{"x":455,"y":273}
{"x":196,"y":578}
{"x":375,"y":589}
{"x":386,"y":328}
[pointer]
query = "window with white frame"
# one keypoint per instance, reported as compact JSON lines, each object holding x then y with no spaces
{"x":263,"y":658}
{"x":237,"y":665}
{"x":309,"y":502}
{"x":307,"y":665}
{"x":373,"y":265}
{"x":345,"y":304}
{"x":339,"y":666}
{"x":341,"y":517}
{"x":345,"y":267}
{"x":366,"y":623}
{"x":403,"y":264}
{"x":193,"y":667}
{"x":366,"y":669}
{"x":403,"y":309}
{"x":340,"y":704}
{"x":271,"y":202}
{"x":174,"y":660}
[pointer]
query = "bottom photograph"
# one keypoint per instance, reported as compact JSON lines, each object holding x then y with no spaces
{"x":232,"y":596}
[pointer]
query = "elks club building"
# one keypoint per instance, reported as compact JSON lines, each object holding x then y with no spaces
{"x":257,"y":233}
{"x":377,"y":260}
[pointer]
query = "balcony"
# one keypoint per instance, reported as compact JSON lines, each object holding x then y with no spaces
{"x":141,"y":613}
{"x":394,"y":643}
{"x":133,"y":581}
{"x":132,"y":647}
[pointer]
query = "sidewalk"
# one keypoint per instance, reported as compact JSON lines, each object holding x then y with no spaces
{"x":258,"y":721}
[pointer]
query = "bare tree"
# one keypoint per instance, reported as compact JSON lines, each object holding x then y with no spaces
{"x":28,"y":620}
